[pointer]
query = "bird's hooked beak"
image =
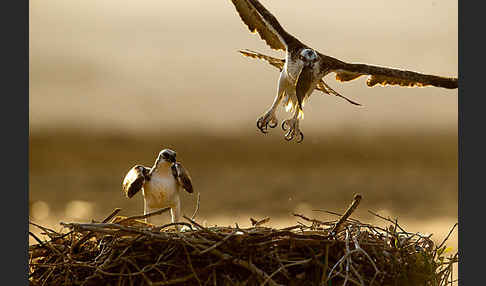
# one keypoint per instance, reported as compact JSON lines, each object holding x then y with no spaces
{"x":310,"y":62}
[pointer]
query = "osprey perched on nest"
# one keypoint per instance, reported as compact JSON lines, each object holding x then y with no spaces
{"x":303,"y":68}
{"x":160,"y":184}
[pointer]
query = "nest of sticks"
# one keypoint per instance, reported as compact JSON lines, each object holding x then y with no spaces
{"x":126,"y":251}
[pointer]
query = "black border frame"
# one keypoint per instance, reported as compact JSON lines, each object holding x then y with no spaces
{"x":15,"y":118}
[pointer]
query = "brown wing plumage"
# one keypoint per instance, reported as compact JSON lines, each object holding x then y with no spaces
{"x":182,"y":176}
{"x":376,"y":74}
{"x":134,"y":180}
{"x":387,"y":76}
{"x":279,"y":63}
{"x":259,"y":19}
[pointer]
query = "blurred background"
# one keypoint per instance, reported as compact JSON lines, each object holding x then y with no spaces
{"x":114,"y":82}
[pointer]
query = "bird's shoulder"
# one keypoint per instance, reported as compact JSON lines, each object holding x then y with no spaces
{"x":182,"y":176}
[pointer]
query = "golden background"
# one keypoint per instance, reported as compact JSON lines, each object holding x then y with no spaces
{"x":114,"y":82}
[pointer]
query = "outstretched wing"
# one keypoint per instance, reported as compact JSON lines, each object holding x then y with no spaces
{"x":259,"y":19}
{"x":182,"y":176}
{"x":279,"y":63}
{"x":134,"y":180}
{"x":385,"y":76}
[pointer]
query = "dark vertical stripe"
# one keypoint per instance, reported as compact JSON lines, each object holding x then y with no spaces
{"x":303,"y":84}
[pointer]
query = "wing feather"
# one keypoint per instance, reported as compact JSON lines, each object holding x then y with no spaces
{"x":259,"y":19}
{"x":279,"y":63}
{"x":134,"y":180}
{"x":182,"y":176}
{"x":389,"y":76}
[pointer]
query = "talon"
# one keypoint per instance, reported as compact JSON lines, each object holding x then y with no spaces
{"x":284,"y":123}
{"x":266,"y":121}
{"x":301,"y":135}
{"x":290,"y":135}
{"x":273,"y":123}
{"x":260,"y":126}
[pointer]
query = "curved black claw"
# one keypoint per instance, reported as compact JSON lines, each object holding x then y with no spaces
{"x":263,"y":128}
{"x":293,"y":131}
{"x":301,"y":135}
{"x":285,"y":123}
{"x":266,"y":121}
{"x":290,"y":135}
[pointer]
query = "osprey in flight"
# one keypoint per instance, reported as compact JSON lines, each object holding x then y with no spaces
{"x":303,"y":68}
{"x":160,"y":184}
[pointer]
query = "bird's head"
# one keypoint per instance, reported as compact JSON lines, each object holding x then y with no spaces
{"x":308,"y":56}
{"x":168,"y":155}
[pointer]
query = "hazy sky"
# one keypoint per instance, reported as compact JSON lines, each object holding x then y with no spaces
{"x":124,"y":65}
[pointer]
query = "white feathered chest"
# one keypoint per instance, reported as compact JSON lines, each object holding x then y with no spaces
{"x":160,"y":185}
{"x":161,"y":190}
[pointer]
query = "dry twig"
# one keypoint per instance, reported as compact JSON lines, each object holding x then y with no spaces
{"x":362,"y":254}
